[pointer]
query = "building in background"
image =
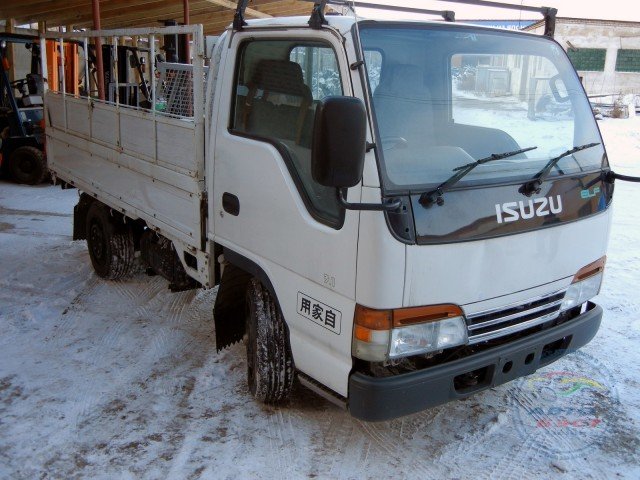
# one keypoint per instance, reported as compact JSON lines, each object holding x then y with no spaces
{"x":506,"y":24}
{"x":606,"y":53}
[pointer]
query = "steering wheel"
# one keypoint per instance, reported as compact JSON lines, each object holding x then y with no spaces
{"x":19,"y":85}
{"x":389,"y":143}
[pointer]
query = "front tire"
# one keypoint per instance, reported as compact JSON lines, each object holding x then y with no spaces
{"x":111,"y":246}
{"x":270,"y":367}
{"x":28,"y":165}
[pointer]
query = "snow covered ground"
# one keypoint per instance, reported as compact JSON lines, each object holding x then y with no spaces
{"x":121,"y":379}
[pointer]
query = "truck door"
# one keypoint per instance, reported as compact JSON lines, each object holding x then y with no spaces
{"x":265,"y":203}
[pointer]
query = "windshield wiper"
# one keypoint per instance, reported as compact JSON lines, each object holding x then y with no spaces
{"x":533,"y":185}
{"x":435,"y":196}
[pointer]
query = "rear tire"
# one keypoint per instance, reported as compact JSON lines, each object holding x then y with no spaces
{"x":270,"y":368}
{"x":28,"y":165}
{"x":111,"y":246}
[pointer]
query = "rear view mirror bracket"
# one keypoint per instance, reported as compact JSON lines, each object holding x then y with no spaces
{"x":385,"y":206}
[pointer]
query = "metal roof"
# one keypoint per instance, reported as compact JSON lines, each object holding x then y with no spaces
{"x":214,"y":15}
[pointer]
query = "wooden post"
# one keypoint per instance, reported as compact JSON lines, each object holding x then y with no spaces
{"x":98,"y":44}
{"x":11,"y":28}
{"x":46,"y":57}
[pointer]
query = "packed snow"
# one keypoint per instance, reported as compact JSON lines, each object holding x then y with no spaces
{"x":121,"y":379}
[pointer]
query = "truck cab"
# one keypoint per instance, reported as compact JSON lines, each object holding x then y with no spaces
{"x":452,"y":291}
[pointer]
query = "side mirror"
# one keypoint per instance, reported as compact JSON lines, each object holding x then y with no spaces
{"x":339,"y":142}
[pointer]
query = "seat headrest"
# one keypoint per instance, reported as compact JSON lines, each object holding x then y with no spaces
{"x":280,"y":76}
{"x":403,"y":80}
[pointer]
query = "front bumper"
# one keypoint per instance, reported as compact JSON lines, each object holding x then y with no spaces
{"x":376,"y":399}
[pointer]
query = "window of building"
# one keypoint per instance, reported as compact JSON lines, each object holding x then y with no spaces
{"x":588,"y":59}
{"x":628,"y":61}
{"x":279,"y":84}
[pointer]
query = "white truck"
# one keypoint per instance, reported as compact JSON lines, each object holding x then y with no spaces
{"x":399,"y":213}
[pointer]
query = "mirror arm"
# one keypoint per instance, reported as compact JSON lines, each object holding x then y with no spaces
{"x":373,"y":207}
{"x":610,"y":176}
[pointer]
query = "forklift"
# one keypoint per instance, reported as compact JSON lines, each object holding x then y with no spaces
{"x":22,"y":139}
{"x":22,"y":136}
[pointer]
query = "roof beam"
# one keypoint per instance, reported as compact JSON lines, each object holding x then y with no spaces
{"x":52,"y":7}
{"x":215,"y":15}
{"x":152,"y":17}
{"x":158,"y":10}
{"x":232,"y":6}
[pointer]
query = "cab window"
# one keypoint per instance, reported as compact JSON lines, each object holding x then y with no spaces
{"x":278,"y":86}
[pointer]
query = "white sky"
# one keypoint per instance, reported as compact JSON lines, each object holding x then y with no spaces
{"x":599,"y":9}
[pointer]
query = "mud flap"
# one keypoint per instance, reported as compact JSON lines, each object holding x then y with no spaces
{"x":80,"y":217}
{"x":230,"y":308}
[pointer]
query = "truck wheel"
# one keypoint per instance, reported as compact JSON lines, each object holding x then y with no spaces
{"x":111,"y":246}
{"x":28,"y":165}
{"x":270,"y":369}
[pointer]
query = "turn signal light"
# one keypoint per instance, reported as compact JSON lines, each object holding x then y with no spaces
{"x":387,"y":319}
{"x":589,"y":270}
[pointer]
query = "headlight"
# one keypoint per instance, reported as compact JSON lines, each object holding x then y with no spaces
{"x":428,"y":337}
{"x":586,"y":284}
{"x":580,"y":292}
{"x":380,"y":335}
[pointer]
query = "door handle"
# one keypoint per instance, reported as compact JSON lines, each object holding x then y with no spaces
{"x":230,"y":204}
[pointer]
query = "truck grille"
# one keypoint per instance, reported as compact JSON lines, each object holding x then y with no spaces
{"x":495,"y":323}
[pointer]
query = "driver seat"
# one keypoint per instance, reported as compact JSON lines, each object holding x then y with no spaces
{"x":404,"y":106}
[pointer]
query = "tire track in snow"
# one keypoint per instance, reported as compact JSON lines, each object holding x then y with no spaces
{"x":125,"y":288}
{"x":112,"y":325}
{"x":281,"y":444}
{"x":348,"y":445}
{"x":176,"y":307}
{"x":513,"y":464}
{"x":396,"y":438}
{"x":150,"y":290}
{"x":191,"y":428}
{"x":68,"y":322}
{"x":119,"y":325}
{"x":169,"y":311}
{"x":93,"y":392}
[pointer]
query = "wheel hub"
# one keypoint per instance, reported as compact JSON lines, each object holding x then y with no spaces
{"x":26,"y":165}
{"x":97,"y":242}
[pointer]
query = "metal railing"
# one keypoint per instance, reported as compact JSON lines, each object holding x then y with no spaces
{"x":174,"y":97}
{"x":151,"y":35}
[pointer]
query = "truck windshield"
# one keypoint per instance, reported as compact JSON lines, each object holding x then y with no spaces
{"x":446,"y":96}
